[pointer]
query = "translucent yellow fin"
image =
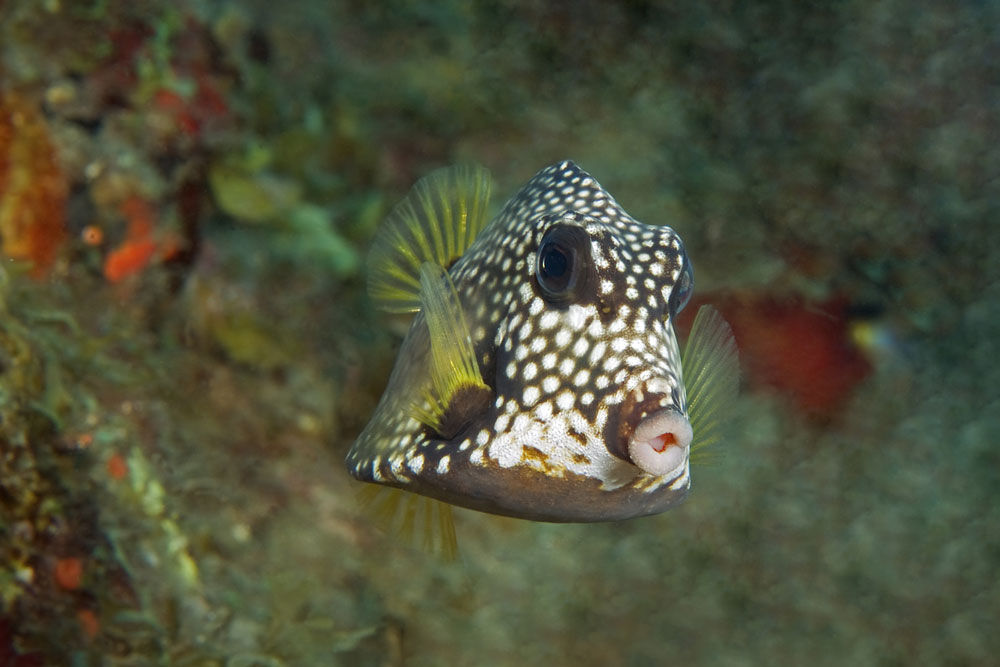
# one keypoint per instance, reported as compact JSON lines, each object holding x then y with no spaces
{"x":418,"y":521}
{"x":711,"y":368}
{"x":456,"y":389}
{"x":436,"y":222}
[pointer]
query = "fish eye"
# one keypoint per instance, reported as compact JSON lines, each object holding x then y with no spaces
{"x":561,"y":264}
{"x":681,"y":293}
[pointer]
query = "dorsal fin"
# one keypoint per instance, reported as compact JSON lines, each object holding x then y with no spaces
{"x":711,"y":369}
{"x":456,"y":390}
{"x":436,"y":222}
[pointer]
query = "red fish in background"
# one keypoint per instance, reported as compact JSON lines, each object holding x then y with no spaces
{"x":138,"y":248}
{"x":801,"y":349}
{"x":143,"y":244}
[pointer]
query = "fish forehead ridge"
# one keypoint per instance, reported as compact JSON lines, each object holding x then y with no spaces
{"x":627,"y":253}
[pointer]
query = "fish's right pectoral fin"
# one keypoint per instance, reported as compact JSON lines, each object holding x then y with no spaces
{"x":436,"y":222}
{"x":456,"y":392}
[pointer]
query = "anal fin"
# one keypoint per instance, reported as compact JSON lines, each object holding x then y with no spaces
{"x":416,"y":520}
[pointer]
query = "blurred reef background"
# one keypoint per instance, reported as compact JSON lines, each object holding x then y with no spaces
{"x":187,"y":193}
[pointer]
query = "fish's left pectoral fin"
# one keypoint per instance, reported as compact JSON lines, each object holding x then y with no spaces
{"x":456,"y":392}
{"x":711,"y":368}
{"x":436,"y":222}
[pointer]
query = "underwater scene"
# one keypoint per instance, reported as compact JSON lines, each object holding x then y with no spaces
{"x":504,"y":333}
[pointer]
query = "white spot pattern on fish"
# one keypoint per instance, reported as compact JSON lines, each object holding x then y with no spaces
{"x":570,"y":302}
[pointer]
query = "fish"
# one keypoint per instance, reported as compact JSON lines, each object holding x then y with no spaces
{"x":541,"y":377}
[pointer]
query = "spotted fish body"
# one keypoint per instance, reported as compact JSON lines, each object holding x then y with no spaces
{"x":568,"y":303}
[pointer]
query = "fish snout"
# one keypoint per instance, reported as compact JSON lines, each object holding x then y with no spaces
{"x":661,"y":442}
{"x":650,"y":430}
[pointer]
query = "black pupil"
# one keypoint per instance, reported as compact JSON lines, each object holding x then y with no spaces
{"x":682,"y":291}
{"x":555,"y":264}
{"x":562,"y":263}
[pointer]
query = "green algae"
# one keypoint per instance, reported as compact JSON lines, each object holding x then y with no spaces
{"x":253,"y":197}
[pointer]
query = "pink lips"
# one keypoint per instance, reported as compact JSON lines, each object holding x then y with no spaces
{"x":661,"y":442}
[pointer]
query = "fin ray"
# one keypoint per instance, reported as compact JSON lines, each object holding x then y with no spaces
{"x":453,"y":364}
{"x":711,"y":374}
{"x":436,"y":222}
{"x":416,"y":520}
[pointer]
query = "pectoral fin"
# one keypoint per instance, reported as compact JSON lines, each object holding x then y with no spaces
{"x":711,"y":368}
{"x":456,"y":391}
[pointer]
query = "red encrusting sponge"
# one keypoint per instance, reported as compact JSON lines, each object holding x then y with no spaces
{"x":798,"y":348}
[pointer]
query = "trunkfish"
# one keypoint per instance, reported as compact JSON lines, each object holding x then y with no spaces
{"x":541,"y":377}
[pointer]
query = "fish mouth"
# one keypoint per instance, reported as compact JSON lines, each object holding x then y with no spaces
{"x":661,"y":442}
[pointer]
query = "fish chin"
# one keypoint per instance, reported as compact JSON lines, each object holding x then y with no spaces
{"x":661,"y":442}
